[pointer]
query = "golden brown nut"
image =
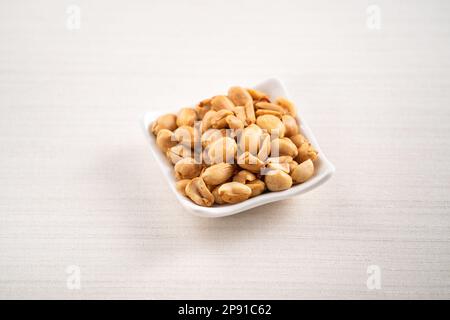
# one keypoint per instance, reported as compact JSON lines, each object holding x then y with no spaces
{"x":234,"y":192}
{"x":203,"y":107}
{"x":222,"y":150}
{"x":186,"y":117}
{"x":290,"y":125}
{"x":167,"y":121}
{"x":217,"y":198}
{"x":262,"y":112}
{"x":181,"y":186}
{"x":305,"y":152}
{"x":257,"y":187}
{"x":212,"y":135}
{"x":198,"y":192}
{"x":207,"y":119}
{"x":221,"y":103}
{"x":165,"y":139}
{"x":264,"y":147}
{"x":287,"y":105}
{"x":292,"y":165}
{"x":218,"y":173}
{"x":280,"y":159}
{"x":240,"y":114}
{"x":250,"y":180}
{"x":250,"y":162}
{"x":272,"y":124}
{"x":250,"y":117}
{"x":283,"y":166}
{"x":277,"y":180}
{"x":218,"y":121}
{"x":205,"y":157}
{"x":283,"y":147}
{"x":269,"y":106}
{"x":239,"y":96}
{"x":258,"y":95}
{"x":234,"y":122}
{"x":244,"y":176}
{"x":249,"y":139}
{"x":178,"y":152}
{"x":303,"y":171}
{"x":185,"y":135}
{"x":187,"y":168}
{"x":298,"y":139}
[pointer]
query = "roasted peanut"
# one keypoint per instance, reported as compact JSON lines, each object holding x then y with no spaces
{"x":205,"y":157}
{"x":187,"y":168}
{"x":250,"y":117}
{"x":198,"y":192}
{"x":250,"y":180}
{"x":234,"y":192}
{"x":258,"y":95}
{"x":303,"y":171}
{"x":207,"y":118}
{"x":212,"y":135}
{"x":244,"y":176}
{"x":186,"y":117}
{"x":292,"y":165}
{"x":218,"y":173}
{"x":239,"y":96}
{"x":263,"y":112}
{"x":221,"y":102}
{"x":290,"y":124}
{"x":222,"y":150}
{"x":167,"y":121}
{"x":218,"y":120}
{"x":270,"y":106}
{"x":306,"y":151}
{"x":287,"y":105}
{"x":249,"y":139}
{"x":280,"y":159}
{"x":181,"y":186}
{"x":234,"y":122}
{"x":257,"y":187}
{"x":240,"y":114}
{"x":264,"y":147}
{"x":283,"y":147}
{"x":298,"y":139}
{"x":283,"y":166}
{"x":186,"y":136}
{"x":202,"y":108}
{"x":250,"y":162}
{"x":178,"y":152}
{"x":277,"y":180}
{"x":165,"y":139}
{"x":217,"y":198}
{"x":272,"y":124}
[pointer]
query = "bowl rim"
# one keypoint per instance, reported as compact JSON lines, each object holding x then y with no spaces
{"x":327,"y":171}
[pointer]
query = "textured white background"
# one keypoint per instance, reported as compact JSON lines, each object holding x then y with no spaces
{"x":78,"y":185}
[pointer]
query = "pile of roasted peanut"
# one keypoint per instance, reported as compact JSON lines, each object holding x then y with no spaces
{"x":230,"y":148}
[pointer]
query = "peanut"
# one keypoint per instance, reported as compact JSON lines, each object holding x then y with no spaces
{"x":278,"y":180}
{"x":234,"y":192}
{"x":198,"y":192}
{"x":167,"y":121}
{"x":186,"y":117}
{"x":303,"y":171}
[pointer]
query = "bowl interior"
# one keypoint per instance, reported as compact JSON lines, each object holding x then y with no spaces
{"x":323,"y":168}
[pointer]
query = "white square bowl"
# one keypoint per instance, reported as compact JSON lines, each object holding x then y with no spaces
{"x":324,"y":169}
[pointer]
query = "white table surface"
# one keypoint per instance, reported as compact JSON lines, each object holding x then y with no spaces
{"x":80,"y":187}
